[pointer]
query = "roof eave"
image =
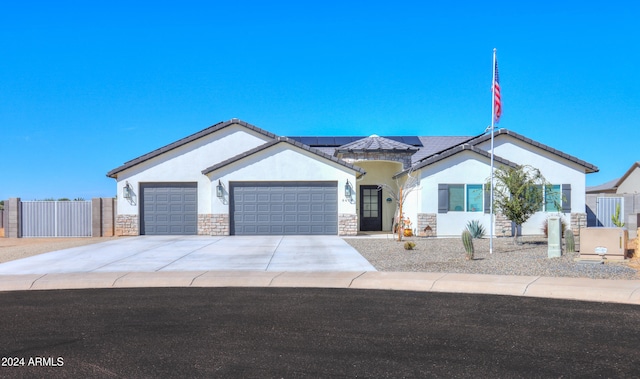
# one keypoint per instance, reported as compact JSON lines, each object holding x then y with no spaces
{"x":174,"y":145}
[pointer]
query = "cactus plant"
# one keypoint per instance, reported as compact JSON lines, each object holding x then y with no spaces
{"x":569,"y":240}
{"x":409,"y":245}
{"x":467,"y":241}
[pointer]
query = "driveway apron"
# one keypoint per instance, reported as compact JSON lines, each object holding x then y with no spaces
{"x":198,"y":253}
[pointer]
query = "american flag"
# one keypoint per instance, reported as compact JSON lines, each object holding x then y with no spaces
{"x":497,"y":103}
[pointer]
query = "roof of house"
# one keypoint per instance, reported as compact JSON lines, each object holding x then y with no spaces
{"x":426,"y":145}
{"x":426,"y":149}
{"x":376,"y":143}
{"x":186,"y":140}
{"x":276,"y":141}
{"x":453,"y":151}
{"x":609,"y":186}
{"x":612,"y":185}
{"x":336,"y":141}
{"x":589,"y":168}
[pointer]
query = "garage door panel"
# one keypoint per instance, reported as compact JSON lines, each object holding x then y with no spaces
{"x":169,"y":208}
{"x":291,"y":208}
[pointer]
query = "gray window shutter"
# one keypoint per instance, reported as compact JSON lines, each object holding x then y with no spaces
{"x":443,"y":198}
{"x":487,"y":199}
{"x":566,"y":198}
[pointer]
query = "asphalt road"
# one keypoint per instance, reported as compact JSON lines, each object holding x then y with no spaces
{"x":319,"y":333}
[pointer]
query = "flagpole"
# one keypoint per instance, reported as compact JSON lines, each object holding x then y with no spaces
{"x":493,"y":110}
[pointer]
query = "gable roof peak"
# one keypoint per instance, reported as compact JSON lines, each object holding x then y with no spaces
{"x":205,"y":132}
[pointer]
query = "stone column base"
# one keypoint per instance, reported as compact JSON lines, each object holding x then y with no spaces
{"x":503,"y":226}
{"x":127,"y":225}
{"x":219,"y":224}
{"x":347,"y":224}
{"x":427,"y":224}
{"x":578,"y":222}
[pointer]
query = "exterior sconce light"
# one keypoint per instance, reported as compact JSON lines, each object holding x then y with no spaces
{"x":347,"y":189}
{"x":219,"y":190}
{"x":127,"y":191}
{"x":389,"y":199}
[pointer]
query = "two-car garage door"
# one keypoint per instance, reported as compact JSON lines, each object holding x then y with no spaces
{"x":256,"y":208}
{"x":259,"y":208}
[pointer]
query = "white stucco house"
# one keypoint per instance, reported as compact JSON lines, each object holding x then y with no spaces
{"x":234,"y":178}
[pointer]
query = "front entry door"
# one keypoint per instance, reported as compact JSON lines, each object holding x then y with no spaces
{"x":370,"y":208}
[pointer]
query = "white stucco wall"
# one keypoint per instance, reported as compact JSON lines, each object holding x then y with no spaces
{"x":185,"y":164}
{"x":463,"y":168}
{"x":282,"y":162}
{"x":555,"y":169}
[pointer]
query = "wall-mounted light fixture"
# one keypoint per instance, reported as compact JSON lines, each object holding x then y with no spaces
{"x":127,"y":191}
{"x":389,"y":199}
{"x":347,"y":189}
{"x":219,"y":190}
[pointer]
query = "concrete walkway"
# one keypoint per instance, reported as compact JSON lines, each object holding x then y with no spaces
{"x":271,"y":262}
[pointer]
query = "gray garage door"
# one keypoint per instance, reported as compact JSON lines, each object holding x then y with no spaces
{"x":284,"y":208}
{"x":169,"y":208}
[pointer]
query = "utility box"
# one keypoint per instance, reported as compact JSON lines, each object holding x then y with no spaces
{"x":554,"y":234}
{"x":603,"y":243}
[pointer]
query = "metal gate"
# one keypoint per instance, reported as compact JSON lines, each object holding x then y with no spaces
{"x":56,"y":218}
{"x":606,"y":207}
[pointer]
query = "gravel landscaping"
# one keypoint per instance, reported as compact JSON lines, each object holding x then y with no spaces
{"x":447,"y":255}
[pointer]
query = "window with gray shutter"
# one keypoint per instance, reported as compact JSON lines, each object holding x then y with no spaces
{"x":443,"y":198}
{"x":566,"y":198}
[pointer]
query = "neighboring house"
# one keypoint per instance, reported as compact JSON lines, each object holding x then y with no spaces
{"x":603,"y":199}
{"x":234,"y":178}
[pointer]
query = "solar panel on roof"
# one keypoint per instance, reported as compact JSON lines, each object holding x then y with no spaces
{"x":409,"y":140}
{"x":345,"y":140}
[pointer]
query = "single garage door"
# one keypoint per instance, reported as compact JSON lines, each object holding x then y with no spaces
{"x":284,"y":208}
{"x":169,"y":208}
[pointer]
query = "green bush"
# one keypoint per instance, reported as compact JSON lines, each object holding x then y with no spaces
{"x":409,"y":245}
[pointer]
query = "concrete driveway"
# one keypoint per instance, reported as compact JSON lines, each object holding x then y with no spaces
{"x":198,"y":253}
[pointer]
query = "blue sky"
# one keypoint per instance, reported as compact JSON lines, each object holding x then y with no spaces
{"x":87,"y":85}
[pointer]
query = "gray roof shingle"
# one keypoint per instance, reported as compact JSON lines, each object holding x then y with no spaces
{"x":375,"y":143}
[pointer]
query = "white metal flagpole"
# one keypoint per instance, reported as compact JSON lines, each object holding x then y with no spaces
{"x":493,"y":119}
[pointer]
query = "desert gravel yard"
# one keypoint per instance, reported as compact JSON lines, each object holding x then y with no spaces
{"x":17,"y":248}
{"x":447,"y":255}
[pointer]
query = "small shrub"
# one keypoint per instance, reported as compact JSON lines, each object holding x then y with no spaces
{"x":467,"y":241}
{"x":409,"y":245}
{"x":545,"y":227}
{"x":615,"y":218}
{"x":476,"y":229}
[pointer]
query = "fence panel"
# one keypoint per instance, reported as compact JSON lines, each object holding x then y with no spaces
{"x":606,"y":208}
{"x":56,"y":218}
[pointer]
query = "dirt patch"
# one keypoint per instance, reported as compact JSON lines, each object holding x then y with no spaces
{"x":16,"y":248}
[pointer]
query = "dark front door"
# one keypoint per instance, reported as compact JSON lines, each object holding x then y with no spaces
{"x":370,"y":208}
